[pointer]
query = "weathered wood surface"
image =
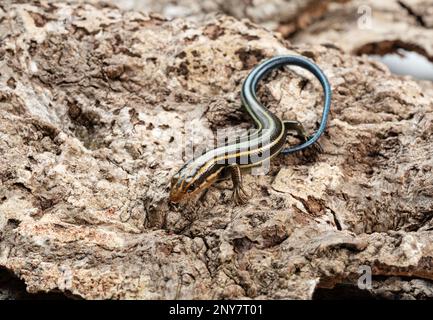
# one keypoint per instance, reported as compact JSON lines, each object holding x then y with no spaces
{"x":375,"y":27}
{"x":283,"y":16}
{"x":95,"y":103}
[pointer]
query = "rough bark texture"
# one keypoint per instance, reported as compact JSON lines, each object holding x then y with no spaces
{"x":94,"y":106}
{"x":284,"y":16}
{"x":370,"y":27}
{"x":375,"y":27}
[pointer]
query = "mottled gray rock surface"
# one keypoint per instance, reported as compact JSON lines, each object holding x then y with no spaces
{"x":96,"y":106}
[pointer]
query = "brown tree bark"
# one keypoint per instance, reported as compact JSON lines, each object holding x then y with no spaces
{"x":375,"y":27}
{"x":95,"y":104}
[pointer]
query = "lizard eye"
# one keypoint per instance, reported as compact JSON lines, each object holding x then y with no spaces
{"x":192,"y":187}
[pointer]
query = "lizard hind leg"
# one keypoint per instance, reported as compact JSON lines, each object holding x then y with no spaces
{"x":310,"y":153}
{"x":239,"y":195}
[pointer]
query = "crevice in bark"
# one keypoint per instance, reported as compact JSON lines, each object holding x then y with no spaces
{"x":13,"y":288}
{"x":343,"y":291}
{"x":381,"y":287}
{"x":390,"y":46}
{"x":336,"y":220}
{"x":388,"y":287}
{"x":410,"y":11}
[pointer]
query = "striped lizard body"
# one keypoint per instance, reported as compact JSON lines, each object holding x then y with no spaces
{"x":265,"y":142}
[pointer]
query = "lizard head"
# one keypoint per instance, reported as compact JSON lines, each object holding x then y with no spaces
{"x":190,"y":180}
